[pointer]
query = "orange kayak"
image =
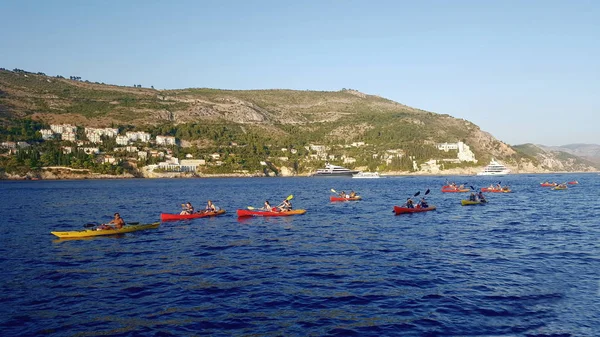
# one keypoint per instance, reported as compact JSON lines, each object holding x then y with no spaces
{"x":256,"y":212}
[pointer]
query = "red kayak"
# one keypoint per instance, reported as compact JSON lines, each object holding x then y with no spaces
{"x":334,"y":198}
{"x":167,"y":216}
{"x":573,"y":182}
{"x":403,"y":210}
{"x":256,"y":212}
{"x":548,"y":184}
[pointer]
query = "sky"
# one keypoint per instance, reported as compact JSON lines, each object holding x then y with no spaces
{"x":526,"y":71}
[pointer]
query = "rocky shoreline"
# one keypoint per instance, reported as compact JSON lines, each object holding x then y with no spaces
{"x":73,"y":174}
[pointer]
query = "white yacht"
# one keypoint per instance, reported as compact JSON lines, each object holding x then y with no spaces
{"x":334,"y":171}
{"x":494,"y":169}
{"x":366,"y":175}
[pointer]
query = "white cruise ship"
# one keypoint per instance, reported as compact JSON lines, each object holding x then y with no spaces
{"x":494,"y":169}
{"x":334,"y":171}
{"x":366,"y":175}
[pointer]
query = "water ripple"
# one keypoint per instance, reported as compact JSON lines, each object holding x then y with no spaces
{"x":342,"y":269}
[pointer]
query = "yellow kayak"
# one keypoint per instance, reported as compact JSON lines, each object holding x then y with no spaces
{"x":95,"y":232}
{"x":469,"y":202}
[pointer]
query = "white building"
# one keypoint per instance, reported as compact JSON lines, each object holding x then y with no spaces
{"x":122,"y":140}
{"x":464,"y":152}
{"x":135,"y":136}
{"x":91,"y":150}
{"x":191,"y":165}
{"x":69,"y":136}
{"x":94,"y":137}
{"x":349,"y":160}
{"x":47,"y":134}
{"x":166,"y":140}
{"x":12,"y":146}
{"x":447,"y":146}
{"x":62,"y":128}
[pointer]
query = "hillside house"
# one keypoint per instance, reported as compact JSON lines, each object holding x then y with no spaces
{"x":122,"y":140}
{"x":91,"y":150}
{"x":166,"y":140}
{"x":69,"y":136}
{"x":47,"y":134}
{"x":464,"y":151}
{"x":62,"y":128}
{"x":135,"y":136}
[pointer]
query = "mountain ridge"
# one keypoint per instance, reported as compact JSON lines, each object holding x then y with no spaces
{"x":267,"y":120}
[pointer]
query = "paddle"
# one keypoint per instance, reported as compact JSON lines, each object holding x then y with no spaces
{"x":334,"y":191}
{"x":89,"y":225}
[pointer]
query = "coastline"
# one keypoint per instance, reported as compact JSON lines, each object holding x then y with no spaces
{"x":76,"y":174}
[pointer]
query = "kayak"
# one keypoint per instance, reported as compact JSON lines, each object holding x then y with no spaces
{"x":573,"y":182}
{"x":548,"y":184}
{"x":404,"y":210}
{"x":453,"y":189}
{"x":495,"y":190}
{"x":96,"y":232}
{"x":470,"y":202}
{"x":559,"y":187}
{"x":256,"y":212}
{"x":167,"y":216}
{"x":334,"y":198}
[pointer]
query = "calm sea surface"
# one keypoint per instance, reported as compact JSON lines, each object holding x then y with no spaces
{"x":526,"y":264}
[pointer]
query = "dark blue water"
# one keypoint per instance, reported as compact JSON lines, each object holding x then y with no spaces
{"x":526,"y":264}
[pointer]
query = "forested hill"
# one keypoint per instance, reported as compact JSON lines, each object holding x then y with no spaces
{"x":213,"y":120}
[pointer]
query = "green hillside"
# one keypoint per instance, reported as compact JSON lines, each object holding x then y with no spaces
{"x":249,"y":126}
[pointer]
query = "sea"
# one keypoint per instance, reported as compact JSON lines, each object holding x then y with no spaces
{"x":525,"y":264}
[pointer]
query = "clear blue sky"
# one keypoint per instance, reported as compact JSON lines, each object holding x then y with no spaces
{"x":525,"y":71}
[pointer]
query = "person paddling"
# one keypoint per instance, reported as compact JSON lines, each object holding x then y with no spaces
{"x":285,"y":205}
{"x":187,"y":208}
{"x":267,"y":207}
{"x":117,"y":221}
{"x":423,"y":203}
{"x":481,"y":197}
{"x":409,"y":203}
{"x":210,"y":207}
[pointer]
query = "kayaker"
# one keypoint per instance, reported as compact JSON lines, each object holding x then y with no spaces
{"x":285,"y":205}
{"x":117,"y":221}
{"x":481,"y":197}
{"x":343,"y":194}
{"x":267,"y":207}
{"x":187,"y":208}
{"x":210,"y":207}
{"x":409,"y":203}
{"x":352,"y":194}
{"x":423,"y":203}
{"x":472,"y":197}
